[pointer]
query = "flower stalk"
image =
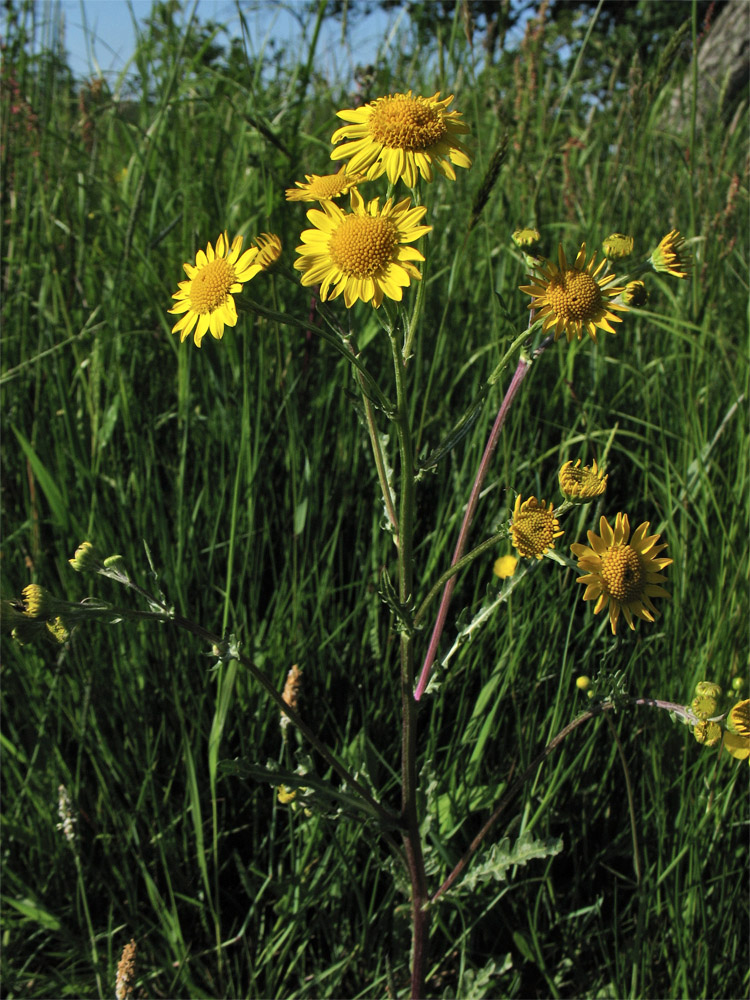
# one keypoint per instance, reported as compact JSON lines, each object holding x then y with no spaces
{"x":409,"y":708}
{"x":522,"y":370}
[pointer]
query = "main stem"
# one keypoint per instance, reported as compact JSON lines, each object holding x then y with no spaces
{"x":409,"y":707}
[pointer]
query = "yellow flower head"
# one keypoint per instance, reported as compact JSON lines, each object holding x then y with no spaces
{"x":635,"y":294}
{"x":404,"y":137}
{"x":708,"y":689}
{"x":206,"y":297}
{"x":324,"y":187}
{"x":35,"y":601}
{"x":672,"y":256}
{"x":617,"y":246}
{"x":286,"y":795}
{"x":583,"y":683}
{"x":581,"y":484}
{"x":269,"y":250}
{"x":739,"y":718}
{"x":704,"y":706}
{"x":85,"y":558}
{"x":573,"y":299}
{"x":534,"y":527}
{"x":58,"y":630}
{"x":622,"y":572}
{"x":526,"y":239}
{"x":707,"y":732}
{"x":361,"y":254}
{"x":737,"y":735}
{"x":505,"y":566}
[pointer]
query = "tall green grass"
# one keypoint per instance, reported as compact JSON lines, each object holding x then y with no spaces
{"x":245,"y":470}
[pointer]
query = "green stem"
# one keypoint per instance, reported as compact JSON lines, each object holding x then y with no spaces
{"x":377,"y":452}
{"x":456,"y":568}
{"x":372,"y":389}
{"x":409,"y":707}
{"x":596,"y":710}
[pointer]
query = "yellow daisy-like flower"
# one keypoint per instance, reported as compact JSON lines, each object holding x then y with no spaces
{"x":534,"y":527}
{"x":269,"y":250}
{"x":505,"y":566}
{"x":635,"y":294}
{"x":622,"y":572}
{"x":361,"y":254}
{"x":739,"y":718}
{"x":324,"y":187}
{"x":617,"y":246}
{"x":581,"y":484}
{"x":737,"y":735}
{"x":573,"y":299}
{"x":206,"y":297}
{"x":404,"y":137}
{"x":672,"y":256}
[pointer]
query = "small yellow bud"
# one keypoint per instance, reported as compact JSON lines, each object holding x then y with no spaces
{"x":708,"y":688}
{"x":35,"y":601}
{"x":704,"y":706}
{"x":57,"y":630}
{"x":617,"y":246}
{"x":269,"y":246}
{"x":635,"y":294}
{"x":286,"y":795}
{"x":526,"y":238}
{"x":85,"y":558}
{"x":583,"y":682}
{"x":708,"y":733}
{"x":738,"y":683}
{"x":505,"y":566}
{"x":672,"y":256}
{"x":581,"y":484}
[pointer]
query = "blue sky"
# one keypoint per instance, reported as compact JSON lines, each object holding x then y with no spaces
{"x":100,"y":36}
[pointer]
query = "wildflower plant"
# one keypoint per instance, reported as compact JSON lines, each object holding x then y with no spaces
{"x":359,"y":255}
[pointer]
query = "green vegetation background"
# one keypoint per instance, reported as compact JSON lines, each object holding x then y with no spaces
{"x":246,"y":471}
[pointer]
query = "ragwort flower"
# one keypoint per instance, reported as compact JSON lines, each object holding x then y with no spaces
{"x":361,"y":254}
{"x":573,"y":299}
{"x":534,"y":527}
{"x":621,"y":571}
{"x":581,"y":484}
{"x":737,"y":735}
{"x":402,"y":136}
{"x":324,"y":187}
{"x":672,"y":256}
{"x":206,"y":297}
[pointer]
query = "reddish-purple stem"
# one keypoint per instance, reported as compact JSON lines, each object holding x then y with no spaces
{"x":520,"y":374}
